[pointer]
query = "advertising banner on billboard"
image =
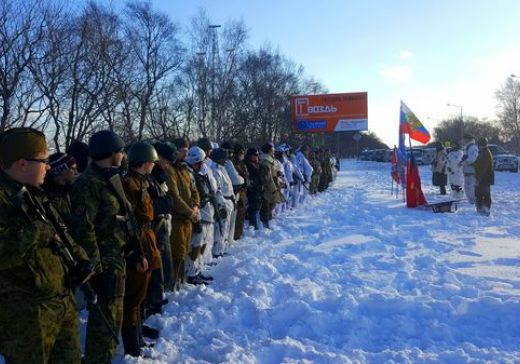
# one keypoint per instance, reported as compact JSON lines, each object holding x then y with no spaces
{"x":329,"y":113}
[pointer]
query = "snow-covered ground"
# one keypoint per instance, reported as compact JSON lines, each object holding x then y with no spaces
{"x":356,"y":277}
{"x":353,"y":276}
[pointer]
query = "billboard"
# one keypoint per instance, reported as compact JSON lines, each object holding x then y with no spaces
{"x":329,"y":113}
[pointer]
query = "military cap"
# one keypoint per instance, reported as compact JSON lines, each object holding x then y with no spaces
{"x":219,"y":154}
{"x":104,"y":143}
{"x":166,"y":150}
{"x":238,"y":148}
{"x":482,"y":142}
{"x":21,"y":143}
{"x":227,"y":145}
{"x":251,"y":151}
{"x":204,"y":144}
{"x":267,"y":147}
{"x":80,"y":152}
{"x":181,"y":143}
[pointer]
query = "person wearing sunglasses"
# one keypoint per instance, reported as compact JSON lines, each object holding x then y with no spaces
{"x":39,"y":320}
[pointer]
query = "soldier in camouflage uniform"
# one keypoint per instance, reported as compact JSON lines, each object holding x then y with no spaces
{"x":38,"y":318}
{"x":316,"y":166}
{"x":63,"y":171}
{"x":162,"y":196}
{"x":326,"y":171}
{"x":240,"y":166}
{"x":96,"y":225}
{"x":141,"y":160}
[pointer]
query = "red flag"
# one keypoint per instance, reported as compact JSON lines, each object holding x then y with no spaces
{"x":414,"y":193}
{"x":395,"y":167}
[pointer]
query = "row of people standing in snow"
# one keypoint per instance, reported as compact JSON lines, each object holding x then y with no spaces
{"x":141,"y":229}
{"x":468,"y":170}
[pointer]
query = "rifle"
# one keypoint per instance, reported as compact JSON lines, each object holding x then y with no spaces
{"x":63,"y":243}
{"x":128,"y":220}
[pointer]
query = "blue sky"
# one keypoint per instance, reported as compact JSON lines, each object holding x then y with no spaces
{"x":427,"y":53}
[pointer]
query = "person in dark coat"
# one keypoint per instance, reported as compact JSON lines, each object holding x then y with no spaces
{"x":240,"y":166}
{"x":484,"y":177}
{"x":255,"y":187}
{"x":439,"y":168}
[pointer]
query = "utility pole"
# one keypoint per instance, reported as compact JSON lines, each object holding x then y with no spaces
{"x":202,"y":92}
{"x":214,"y":63}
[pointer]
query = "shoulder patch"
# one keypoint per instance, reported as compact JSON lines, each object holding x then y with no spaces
{"x":80,"y":210}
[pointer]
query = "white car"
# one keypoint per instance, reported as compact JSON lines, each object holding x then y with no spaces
{"x":502,"y":160}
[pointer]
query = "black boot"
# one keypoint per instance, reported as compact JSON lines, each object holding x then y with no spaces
{"x":130,"y":337}
{"x":196,"y":280}
{"x":150,"y":332}
{"x":140,"y":336}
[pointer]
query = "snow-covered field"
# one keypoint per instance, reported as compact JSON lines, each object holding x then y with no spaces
{"x":355,"y":277}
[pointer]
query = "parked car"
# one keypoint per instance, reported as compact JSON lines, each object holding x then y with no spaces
{"x":388,"y":155}
{"x":417,"y":154}
{"x":428,"y":155}
{"x":365,"y":155}
{"x":502,"y":159}
{"x":378,"y":155}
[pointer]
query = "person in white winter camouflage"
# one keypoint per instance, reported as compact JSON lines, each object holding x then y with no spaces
{"x":469,"y":157}
{"x":455,"y":174}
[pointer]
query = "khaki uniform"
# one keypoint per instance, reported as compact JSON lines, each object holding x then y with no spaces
{"x":185,"y":195}
{"x":136,"y":191}
{"x":271,"y":191}
{"x":94,"y":225}
{"x":39,"y":321}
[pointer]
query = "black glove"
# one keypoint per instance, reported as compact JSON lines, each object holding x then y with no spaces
{"x":108,"y":285}
{"x":197,"y":227}
{"x":81,"y":271}
{"x":222,"y":213}
{"x":98,"y":284}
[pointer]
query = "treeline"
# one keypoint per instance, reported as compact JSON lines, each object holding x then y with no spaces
{"x":71,"y":72}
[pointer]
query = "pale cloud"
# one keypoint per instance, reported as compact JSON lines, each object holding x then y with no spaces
{"x":405,"y":55}
{"x":396,"y":73}
{"x":474,"y":92}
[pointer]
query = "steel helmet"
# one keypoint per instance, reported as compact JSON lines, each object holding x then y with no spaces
{"x":195,"y":155}
{"x":142,"y":152}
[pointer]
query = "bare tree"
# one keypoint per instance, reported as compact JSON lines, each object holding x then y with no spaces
{"x":508,"y":97}
{"x":266,"y":81}
{"x":22,"y":25}
{"x":151,"y":39}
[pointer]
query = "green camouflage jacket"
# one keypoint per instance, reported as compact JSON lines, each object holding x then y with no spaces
{"x":94,"y":220}
{"x":29,"y":265}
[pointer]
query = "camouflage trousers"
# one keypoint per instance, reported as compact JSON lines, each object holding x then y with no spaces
{"x":39,"y":333}
{"x":100,"y":346}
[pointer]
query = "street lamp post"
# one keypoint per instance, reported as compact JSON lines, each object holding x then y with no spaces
{"x":461,"y":120}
